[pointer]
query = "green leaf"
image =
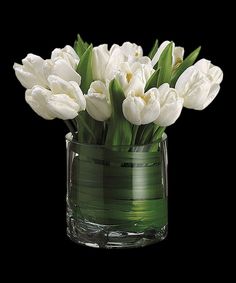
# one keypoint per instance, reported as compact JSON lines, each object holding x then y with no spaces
{"x":158,"y":133}
{"x":80,"y":46}
{"x":152,"y":81}
{"x":165,"y":65}
{"x":85,"y":69}
{"x":116,"y":96}
{"x":188,"y":61}
{"x":119,"y":129}
{"x":86,"y":45}
{"x":90,"y":131}
{"x":153,"y":50}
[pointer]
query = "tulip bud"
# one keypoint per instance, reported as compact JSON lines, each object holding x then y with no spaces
{"x":68,"y":54}
{"x":31,"y":72}
{"x":97,"y":100}
{"x":199,"y":84}
{"x":171,"y":105}
{"x":141,"y":69}
{"x":100,"y":59}
{"x":63,"y":102}
{"x":62,"y":69}
{"x":141,"y":108}
{"x":131,"y":51}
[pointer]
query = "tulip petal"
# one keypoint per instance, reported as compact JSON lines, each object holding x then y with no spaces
{"x":78,"y":95}
{"x":131,"y":50}
{"x":215,"y":88}
{"x":63,"y":107}
{"x":100,"y":59}
{"x":72,"y":89}
{"x":37,"y":98}
{"x":203,"y":65}
{"x":216,"y":75}
{"x":98,"y":107}
{"x":169,"y":113}
{"x":185,"y":79}
{"x":132,"y":107}
{"x":63,"y":70}
{"x":197,"y":95}
{"x":27,"y":79}
{"x":67,"y":53}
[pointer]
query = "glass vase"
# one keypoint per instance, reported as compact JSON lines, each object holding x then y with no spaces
{"x":116,"y":196}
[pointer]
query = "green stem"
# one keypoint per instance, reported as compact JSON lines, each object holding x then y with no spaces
{"x":70,"y":126}
{"x":134,"y":134}
{"x":148,"y":133}
{"x":80,"y":119}
{"x":158,"y":133}
{"x":104,"y":132}
{"x":74,"y":123}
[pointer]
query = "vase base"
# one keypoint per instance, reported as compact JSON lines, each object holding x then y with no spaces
{"x":110,"y":236}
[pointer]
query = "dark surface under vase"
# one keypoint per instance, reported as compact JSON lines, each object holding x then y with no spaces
{"x":116,"y":197}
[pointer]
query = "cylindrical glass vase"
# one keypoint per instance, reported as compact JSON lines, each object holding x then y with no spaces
{"x":116,"y":196}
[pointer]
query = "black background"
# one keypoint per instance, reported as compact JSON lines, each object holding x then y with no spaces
{"x":34,"y":175}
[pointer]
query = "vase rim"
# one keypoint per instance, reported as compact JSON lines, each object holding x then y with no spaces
{"x":69,"y":138}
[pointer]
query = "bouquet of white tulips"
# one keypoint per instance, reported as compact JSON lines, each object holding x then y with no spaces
{"x":117,"y":96}
{"x":121,"y":100}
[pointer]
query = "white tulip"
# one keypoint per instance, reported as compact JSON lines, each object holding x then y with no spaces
{"x":171,"y":105}
{"x":100,"y":58}
{"x":97,"y":101}
{"x":105,"y":64}
{"x":67,"y":53}
{"x":214,"y":73}
{"x":141,"y":108}
{"x":113,"y":64}
{"x":61,"y":68}
{"x":37,"y":98}
{"x":131,"y":51}
{"x":64,"y":101}
{"x":31,"y":72}
{"x":129,"y":71}
{"x":199,"y":84}
{"x":177,"y":53}
{"x":71,"y":89}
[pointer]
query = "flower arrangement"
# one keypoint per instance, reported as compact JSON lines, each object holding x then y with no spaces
{"x":117,"y":96}
{"x":117,"y":103}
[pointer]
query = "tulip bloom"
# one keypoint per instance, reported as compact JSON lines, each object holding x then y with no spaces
{"x":59,"y":67}
{"x":68,"y":54}
{"x":63,"y":63}
{"x":129,"y":71}
{"x":141,"y":108}
{"x":105,"y":64}
{"x":97,"y":100}
{"x":31,"y":72}
{"x":199,"y":84}
{"x":171,"y":105}
{"x":64,"y":101}
{"x":131,"y":51}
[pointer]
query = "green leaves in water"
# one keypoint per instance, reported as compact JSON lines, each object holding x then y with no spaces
{"x":105,"y":191}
